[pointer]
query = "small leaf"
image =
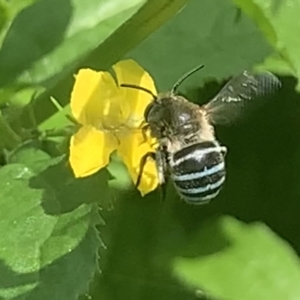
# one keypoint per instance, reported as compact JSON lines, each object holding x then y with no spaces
{"x":240,"y":261}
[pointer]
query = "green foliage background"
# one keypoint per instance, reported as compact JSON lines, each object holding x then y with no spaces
{"x":56,"y":242}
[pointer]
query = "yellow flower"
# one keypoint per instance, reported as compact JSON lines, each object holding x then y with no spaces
{"x":111,"y":119}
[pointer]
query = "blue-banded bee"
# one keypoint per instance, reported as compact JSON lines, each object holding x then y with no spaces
{"x":188,"y":152}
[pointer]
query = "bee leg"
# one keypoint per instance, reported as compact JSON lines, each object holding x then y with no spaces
{"x":142,"y":165}
{"x":161,"y":163}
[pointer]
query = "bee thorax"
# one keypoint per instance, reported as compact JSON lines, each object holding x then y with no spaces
{"x":206,"y":132}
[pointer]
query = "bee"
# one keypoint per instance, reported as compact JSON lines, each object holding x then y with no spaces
{"x":188,"y":152}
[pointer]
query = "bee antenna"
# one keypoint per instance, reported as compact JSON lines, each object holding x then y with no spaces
{"x":184,"y":77}
{"x":137,"y":87}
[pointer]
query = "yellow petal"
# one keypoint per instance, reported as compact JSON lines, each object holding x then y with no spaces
{"x":130,"y":72}
{"x":96,"y":99}
{"x":131,"y":149}
{"x":90,"y":150}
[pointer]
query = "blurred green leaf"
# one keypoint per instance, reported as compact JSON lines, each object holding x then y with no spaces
{"x":276,"y":64}
{"x":40,"y":44}
{"x":278,"y":20}
{"x":20,"y":98}
{"x":48,"y":236}
{"x":58,"y":119}
{"x":3,"y":14}
{"x":205,"y":32}
{"x":253,"y":264}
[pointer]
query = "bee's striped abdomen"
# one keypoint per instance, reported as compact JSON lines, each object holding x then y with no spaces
{"x":198,"y":171}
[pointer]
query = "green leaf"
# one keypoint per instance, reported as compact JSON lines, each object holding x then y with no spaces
{"x":70,"y":190}
{"x":24,"y":228}
{"x":48,"y":236}
{"x":240,"y":261}
{"x":205,"y":32}
{"x":278,"y":21}
{"x":40,"y":44}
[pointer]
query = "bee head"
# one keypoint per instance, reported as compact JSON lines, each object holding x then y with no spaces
{"x":165,"y":113}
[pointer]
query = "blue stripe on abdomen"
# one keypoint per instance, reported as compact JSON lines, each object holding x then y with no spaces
{"x":200,"y":199}
{"x":201,"y":194}
{"x":199,"y":175}
{"x":201,"y":189}
{"x":192,"y":176}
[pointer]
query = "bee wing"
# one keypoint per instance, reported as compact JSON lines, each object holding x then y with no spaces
{"x":242,"y":91}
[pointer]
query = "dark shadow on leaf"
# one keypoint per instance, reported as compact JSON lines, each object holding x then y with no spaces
{"x":10,"y":279}
{"x":159,"y":285}
{"x":184,"y":225}
{"x":36,"y":31}
{"x":69,"y":191}
{"x":142,"y":239}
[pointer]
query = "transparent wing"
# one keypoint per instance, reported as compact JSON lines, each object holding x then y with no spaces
{"x":242,"y":91}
